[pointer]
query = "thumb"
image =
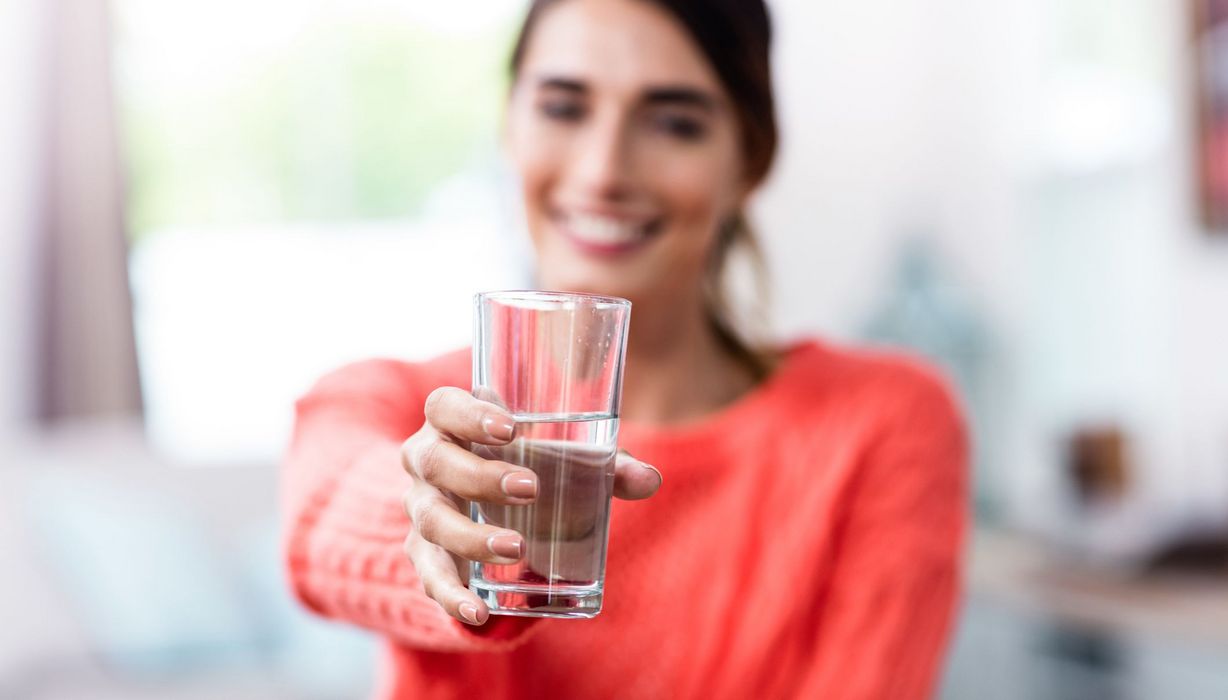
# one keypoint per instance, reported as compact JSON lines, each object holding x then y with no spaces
{"x":634,"y":480}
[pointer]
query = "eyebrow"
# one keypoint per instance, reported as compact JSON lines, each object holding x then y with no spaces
{"x":564,"y":84}
{"x":658,"y":95}
{"x":681,"y":95}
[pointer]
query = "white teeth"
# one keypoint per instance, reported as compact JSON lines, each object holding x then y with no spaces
{"x":603,"y":230}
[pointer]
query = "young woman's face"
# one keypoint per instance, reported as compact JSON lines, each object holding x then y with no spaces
{"x":627,"y":149}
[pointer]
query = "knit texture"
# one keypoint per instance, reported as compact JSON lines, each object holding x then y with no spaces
{"x":805,"y":543}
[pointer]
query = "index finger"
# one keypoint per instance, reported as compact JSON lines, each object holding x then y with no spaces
{"x":456,"y":413}
{"x":441,"y":581}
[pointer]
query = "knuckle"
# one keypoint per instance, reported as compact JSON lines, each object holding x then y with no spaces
{"x":437,"y":400}
{"x":414,"y":508}
{"x":425,"y":520}
{"x":433,"y":400}
{"x":430,"y":460}
{"x":408,"y":448}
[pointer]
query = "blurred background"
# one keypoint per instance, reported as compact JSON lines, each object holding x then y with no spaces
{"x":196,"y":197}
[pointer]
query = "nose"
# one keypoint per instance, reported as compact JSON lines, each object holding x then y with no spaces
{"x":601,"y":164}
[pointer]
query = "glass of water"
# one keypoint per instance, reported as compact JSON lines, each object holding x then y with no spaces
{"x":555,"y":361}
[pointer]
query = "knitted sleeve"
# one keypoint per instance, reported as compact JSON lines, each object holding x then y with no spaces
{"x":343,"y":524}
{"x":888,"y":611}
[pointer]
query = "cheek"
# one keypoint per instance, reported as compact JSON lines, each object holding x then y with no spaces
{"x":529,"y":158}
{"x":700,"y":189}
{"x":537,"y":166}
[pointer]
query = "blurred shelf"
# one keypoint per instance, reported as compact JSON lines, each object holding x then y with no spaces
{"x":1025,"y":574}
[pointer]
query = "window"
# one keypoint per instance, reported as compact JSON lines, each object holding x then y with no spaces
{"x":309,"y":183}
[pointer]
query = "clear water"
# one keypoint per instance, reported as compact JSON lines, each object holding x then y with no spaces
{"x":565,"y":530}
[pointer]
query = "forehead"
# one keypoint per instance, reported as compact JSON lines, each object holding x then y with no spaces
{"x":619,"y":45}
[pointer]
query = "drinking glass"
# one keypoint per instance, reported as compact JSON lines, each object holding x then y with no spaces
{"x":553,"y":360}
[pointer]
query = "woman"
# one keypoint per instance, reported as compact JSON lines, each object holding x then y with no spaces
{"x":806,"y":541}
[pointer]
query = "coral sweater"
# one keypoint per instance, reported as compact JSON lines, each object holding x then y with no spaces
{"x":805,"y":542}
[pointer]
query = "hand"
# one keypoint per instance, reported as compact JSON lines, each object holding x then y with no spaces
{"x":446,"y":475}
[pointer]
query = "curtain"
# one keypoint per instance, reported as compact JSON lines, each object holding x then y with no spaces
{"x":86,"y":359}
{"x":17,"y":125}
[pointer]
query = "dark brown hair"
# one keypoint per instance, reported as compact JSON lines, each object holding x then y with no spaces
{"x":735,"y":37}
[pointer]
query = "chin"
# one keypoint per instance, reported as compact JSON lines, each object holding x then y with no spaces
{"x":577,"y":273}
{"x":593,"y":284}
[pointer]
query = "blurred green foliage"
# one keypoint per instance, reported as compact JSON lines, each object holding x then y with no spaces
{"x":352,"y":121}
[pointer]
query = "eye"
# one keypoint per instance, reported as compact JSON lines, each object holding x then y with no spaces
{"x":563,"y":110}
{"x":679,"y":126}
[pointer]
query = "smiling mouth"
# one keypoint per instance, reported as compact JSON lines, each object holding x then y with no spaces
{"x":606,"y":235}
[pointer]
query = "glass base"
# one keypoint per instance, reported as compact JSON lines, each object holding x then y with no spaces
{"x":567,"y":602}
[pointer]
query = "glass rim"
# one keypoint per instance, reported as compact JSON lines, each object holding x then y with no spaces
{"x":538,"y":295}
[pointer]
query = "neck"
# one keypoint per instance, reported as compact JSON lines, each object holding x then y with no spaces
{"x":676,"y":368}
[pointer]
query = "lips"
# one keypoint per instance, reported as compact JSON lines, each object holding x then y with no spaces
{"x":606,"y":235}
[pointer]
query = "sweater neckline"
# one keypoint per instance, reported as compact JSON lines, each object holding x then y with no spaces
{"x":725,"y":417}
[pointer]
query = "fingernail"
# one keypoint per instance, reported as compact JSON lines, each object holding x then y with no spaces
{"x":519,"y":485}
{"x":469,"y":611}
{"x":506,"y":544}
{"x":649,"y":467}
{"x":499,"y":427}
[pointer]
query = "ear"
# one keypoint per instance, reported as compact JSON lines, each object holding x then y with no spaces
{"x":747,"y":184}
{"x":745,"y":189}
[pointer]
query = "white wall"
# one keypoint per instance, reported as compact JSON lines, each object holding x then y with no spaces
{"x":894,"y":115}
{"x":19,"y":93}
{"x":1047,"y":146}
